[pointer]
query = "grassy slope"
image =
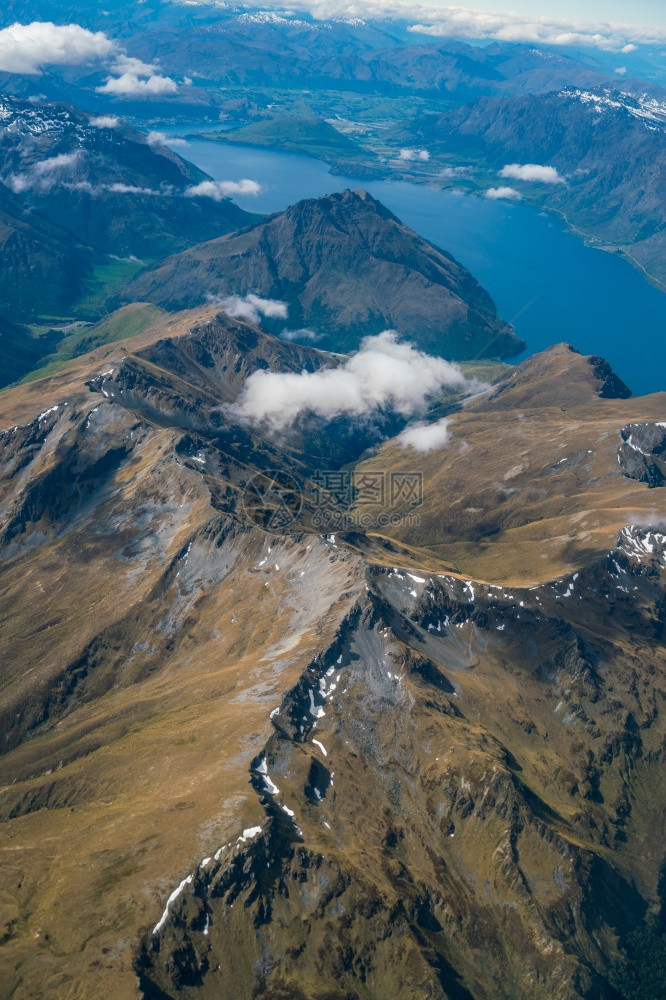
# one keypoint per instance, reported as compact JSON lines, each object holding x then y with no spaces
{"x":539,"y":496}
{"x":111,"y":807}
{"x":105,"y":278}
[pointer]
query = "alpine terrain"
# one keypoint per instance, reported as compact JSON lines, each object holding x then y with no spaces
{"x":332,"y":501}
{"x":430,"y":766}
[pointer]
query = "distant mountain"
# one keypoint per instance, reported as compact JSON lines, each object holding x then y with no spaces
{"x":224,"y":46}
{"x":346,"y":267}
{"x":403,"y":758}
{"x":90,"y":188}
{"x":286,"y":49}
{"x":609,"y":146}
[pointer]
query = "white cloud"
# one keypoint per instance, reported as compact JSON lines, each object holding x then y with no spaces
{"x":460,"y":22}
{"x":303,"y":334}
{"x":136,"y":67}
{"x":383,"y":373}
{"x":18,"y":182}
{"x":136,"y":78}
{"x":130,"y":85}
{"x":415,"y":154}
{"x":621,"y":70}
{"x":456,"y":171}
{"x":162,"y":139}
{"x":250,"y":307}
{"x":105,"y":121}
{"x":119,"y":188}
{"x":217,"y":190}
{"x":29,"y":48}
{"x":43,"y":174}
{"x":508,"y":193}
{"x":425,"y":437}
{"x":61,"y":162}
{"x":532,"y":172}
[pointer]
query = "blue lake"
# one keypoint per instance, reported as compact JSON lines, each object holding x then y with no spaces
{"x":544,"y":280}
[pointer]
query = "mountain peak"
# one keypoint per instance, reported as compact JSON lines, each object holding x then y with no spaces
{"x":346,"y":268}
{"x":559,"y":376}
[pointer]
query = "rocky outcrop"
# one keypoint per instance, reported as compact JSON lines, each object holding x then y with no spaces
{"x":642,"y":454}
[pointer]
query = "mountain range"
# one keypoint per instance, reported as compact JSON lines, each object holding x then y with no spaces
{"x":430,"y":764}
{"x":607,"y":146}
{"x":227,"y":51}
{"x":346,"y":267}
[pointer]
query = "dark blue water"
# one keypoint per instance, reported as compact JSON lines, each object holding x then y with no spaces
{"x":544,"y":280}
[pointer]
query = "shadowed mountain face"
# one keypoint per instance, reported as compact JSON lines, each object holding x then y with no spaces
{"x":42,"y":267}
{"x":77,"y":188}
{"x":19,"y":350}
{"x":606,"y":144}
{"x":372,"y":772}
{"x":346,"y":267}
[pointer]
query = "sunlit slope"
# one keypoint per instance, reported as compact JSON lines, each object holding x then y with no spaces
{"x":529,"y":486}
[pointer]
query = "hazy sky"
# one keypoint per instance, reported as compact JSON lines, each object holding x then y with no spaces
{"x":650,"y":12}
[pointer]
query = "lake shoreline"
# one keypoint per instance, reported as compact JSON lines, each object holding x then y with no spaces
{"x":373,"y":173}
{"x":545,"y":280}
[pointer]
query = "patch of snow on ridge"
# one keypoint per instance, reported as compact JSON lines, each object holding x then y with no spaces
{"x":643,"y":106}
{"x":637,"y":543}
{"x":172,"y":898}
{"x":45,"y":413}
{"x":249,"y":834}
{"x":272,"y":17}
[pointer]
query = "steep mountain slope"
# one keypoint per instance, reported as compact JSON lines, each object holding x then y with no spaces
{"x":90,"y":181}
{"x":481,"y":814}
{"x":546,"y":491}
{"x":609,"y":146}
{"x":447,"y":795}
{"x":41,"y":266}
{"x":346,"y":267}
